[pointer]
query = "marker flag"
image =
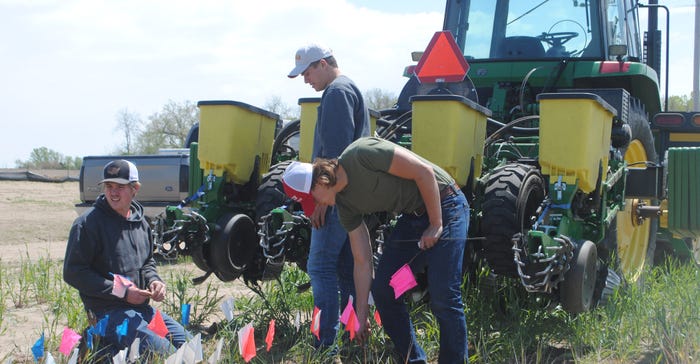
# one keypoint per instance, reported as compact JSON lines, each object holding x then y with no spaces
{"x":193,"y":350}
{"x":119,"y":285}
{"x":49,"y":358}
{"x":214,"y":357}
{"x":134,"y":353}
{"x":157,"y":325}
{"x":227,"y":308}
{"x":316,"y":322}
{"x":68,"y":341}
{"x":297,"y":320}
{"x":346,"y":312}
{"x":352,"y":325}
{"x":38,"y":348}
{"x":185,"y":314}
{"x":377,"y":319}
{"x":120,"y":358}
{"x":176,"y":358}
{"x":74,"y":357}
{"x":270,"y":334}
{"x":246,"y":342}
{"x":121,"y":329}
{"x":101,"y":326}
{"x":402,"y":280}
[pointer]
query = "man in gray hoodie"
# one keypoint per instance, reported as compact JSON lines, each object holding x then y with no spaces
{"x":111,"y":241}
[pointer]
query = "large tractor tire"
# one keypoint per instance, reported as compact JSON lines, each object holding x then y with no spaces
{"x":636,"y":242}
{"x":270,"y":192}
{"x":512,"y":196}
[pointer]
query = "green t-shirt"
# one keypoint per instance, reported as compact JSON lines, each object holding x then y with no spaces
{"x":371,"y":188}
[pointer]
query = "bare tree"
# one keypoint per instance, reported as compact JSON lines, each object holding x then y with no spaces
{"x":276,"y":105}
{"x":168,"y":128}
{"x":129,"y":124}
{"x":378,"y":99}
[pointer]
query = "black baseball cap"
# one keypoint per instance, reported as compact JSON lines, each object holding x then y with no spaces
{"x":120,"y":171}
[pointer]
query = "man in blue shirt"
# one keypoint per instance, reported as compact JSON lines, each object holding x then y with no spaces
{"x":342,"y":118}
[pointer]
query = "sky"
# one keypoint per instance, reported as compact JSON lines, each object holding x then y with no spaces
{"x":69,"y":67}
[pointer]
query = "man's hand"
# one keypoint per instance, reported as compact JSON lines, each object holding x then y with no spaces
{"x":318,"y":217}
{"x":157,"y":289}
{"x":136,"y":296}
{"x":431,"y":235}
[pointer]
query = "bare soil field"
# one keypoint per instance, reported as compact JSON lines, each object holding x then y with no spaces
{"x":35,"y":220}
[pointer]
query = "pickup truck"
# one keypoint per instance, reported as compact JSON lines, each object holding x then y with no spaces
{"x":164,"y":179}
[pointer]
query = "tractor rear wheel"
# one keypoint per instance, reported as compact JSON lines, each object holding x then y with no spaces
{"x":286,"y":145}
{"x":512,"y":196}
{"x":636,"y":238}
{"x":271,"y":192}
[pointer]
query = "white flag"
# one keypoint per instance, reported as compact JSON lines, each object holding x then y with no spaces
{"x":120,"y":358}
{"x":49,"y":359}
{"x":134,"y":350}
{"x":73,"y":358}
{"x":227,"y":308}
{"x":214,"y":358}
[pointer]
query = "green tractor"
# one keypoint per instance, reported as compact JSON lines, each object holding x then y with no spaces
{"x":547,"y":114}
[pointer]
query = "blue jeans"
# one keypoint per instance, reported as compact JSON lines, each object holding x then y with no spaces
{"x":138,"y":318}
{"x":330,"y":267}
{"x":444,"y":274}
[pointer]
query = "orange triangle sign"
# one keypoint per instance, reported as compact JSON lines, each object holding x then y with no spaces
{"x":442,"y":61}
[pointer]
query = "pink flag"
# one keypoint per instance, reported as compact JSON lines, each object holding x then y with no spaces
{"x":316,"y":322}
{"x":246,"y":342}
{"x":270,"y":334}
{"x":402,"y":280}
{"x":68,"y":341}
{"x":346,"y":312}
{"x":120,"y":285}
{"x":377,"y":319}
{"x":157,"y":325}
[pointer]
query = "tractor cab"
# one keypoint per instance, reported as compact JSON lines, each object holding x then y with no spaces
{"x":543,"y":30}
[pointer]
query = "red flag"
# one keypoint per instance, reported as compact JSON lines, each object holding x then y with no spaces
{"x":246,"y":342}
{"x":352,"y":326}
{"x":157,"y":325}
{"x":270,"y":334}
{"x":316,"y":322}
{"x":377,"y":319}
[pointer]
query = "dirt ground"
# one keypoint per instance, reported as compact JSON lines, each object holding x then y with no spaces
{"x":35,"y":219}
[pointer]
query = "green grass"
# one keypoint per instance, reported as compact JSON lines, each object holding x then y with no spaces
{"x":656,"y":321}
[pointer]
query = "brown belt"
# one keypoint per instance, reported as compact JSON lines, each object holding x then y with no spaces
{"x":446,"y":192}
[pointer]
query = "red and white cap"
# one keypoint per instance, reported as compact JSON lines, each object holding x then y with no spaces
{"x":296,"y":180}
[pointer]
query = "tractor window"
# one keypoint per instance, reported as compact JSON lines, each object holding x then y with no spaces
{"x":513,"y":29}
{"x":622,"y":25}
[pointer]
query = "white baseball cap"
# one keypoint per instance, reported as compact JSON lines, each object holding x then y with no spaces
{"x":296,"y":181}
{"x":307,"y":55}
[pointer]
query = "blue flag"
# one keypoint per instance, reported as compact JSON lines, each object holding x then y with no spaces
{"x":38,"y":348}
{"x":101,"y":326}
{"x":122,"y":329}
{"x":90,"y":332}
{"x":185,"y":314}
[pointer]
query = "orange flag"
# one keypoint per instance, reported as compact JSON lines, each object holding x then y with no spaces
{"x":157,"y":325}
{"x":270,"y":334}
{"x":316,"y":322}
{"x":352,"y":326}
{"x":377,"y":319}
{"x":246,"y":342}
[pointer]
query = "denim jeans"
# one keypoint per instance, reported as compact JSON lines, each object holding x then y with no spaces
{"x":138,"y":318}
{"x":330,"y":267}
{"x":444,"y":274}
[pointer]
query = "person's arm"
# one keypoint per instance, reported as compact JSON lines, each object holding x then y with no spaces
{"x":363,"y":273}
{"x":77,"y":271}
{"x":408,"y":166}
